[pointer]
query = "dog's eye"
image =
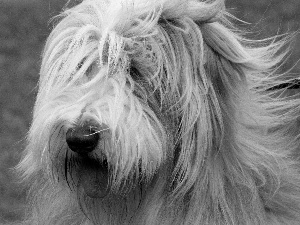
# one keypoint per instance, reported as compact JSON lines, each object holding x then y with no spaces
{"x":135,"y":74}
{"x":80,"y":65}
{"x":91,"y":71}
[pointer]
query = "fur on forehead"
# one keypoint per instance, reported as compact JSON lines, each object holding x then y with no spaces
{"x":119,"y":33}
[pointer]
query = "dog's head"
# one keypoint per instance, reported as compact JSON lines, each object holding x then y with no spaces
{"x":136,"y":92}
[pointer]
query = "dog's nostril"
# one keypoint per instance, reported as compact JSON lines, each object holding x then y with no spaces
{"x":83,"y":139}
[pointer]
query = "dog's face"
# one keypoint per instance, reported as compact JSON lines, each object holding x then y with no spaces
{"x":108,"y":122}
{"x":125,"y":99}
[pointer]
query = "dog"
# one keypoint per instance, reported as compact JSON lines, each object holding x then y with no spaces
{"x":160,"y":112}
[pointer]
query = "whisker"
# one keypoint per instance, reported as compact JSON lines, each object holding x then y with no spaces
{"x":97,"y":132}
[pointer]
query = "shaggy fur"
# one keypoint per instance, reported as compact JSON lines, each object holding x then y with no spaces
{"x":191,"y":132}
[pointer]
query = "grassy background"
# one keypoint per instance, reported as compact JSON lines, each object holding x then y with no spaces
{"x":23,"y":30}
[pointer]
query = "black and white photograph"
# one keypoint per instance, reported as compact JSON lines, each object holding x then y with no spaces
{"x":150,"y":112}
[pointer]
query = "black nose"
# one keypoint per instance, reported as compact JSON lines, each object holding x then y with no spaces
{"x":82,"y":139}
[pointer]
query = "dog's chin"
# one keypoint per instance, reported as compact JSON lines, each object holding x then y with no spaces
{"x":93,"y":179}
{"x":93,"y":182}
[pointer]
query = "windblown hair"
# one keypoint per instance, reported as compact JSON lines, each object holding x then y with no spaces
{"x":190,"y":106}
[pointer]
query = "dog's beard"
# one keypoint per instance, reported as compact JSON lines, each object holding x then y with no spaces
{"x":95,"y":178}
{"x":95,"y":175}
{"x":97,"y":181}
{"x":92,"y":176}
{"x":114,"y":168}
{"x":115,"y":208}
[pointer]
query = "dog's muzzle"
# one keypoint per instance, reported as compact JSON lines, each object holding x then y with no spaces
{"x":93,"y":173}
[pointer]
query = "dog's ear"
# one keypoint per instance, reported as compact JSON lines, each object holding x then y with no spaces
{"x":206,"y":82}
{"x":205,"y":96}
{"x":219,"y":104}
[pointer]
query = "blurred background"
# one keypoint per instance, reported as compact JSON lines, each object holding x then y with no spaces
{"x":23,"y":29}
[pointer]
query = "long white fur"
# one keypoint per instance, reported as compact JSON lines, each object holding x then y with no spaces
{"x":237,"y":161}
